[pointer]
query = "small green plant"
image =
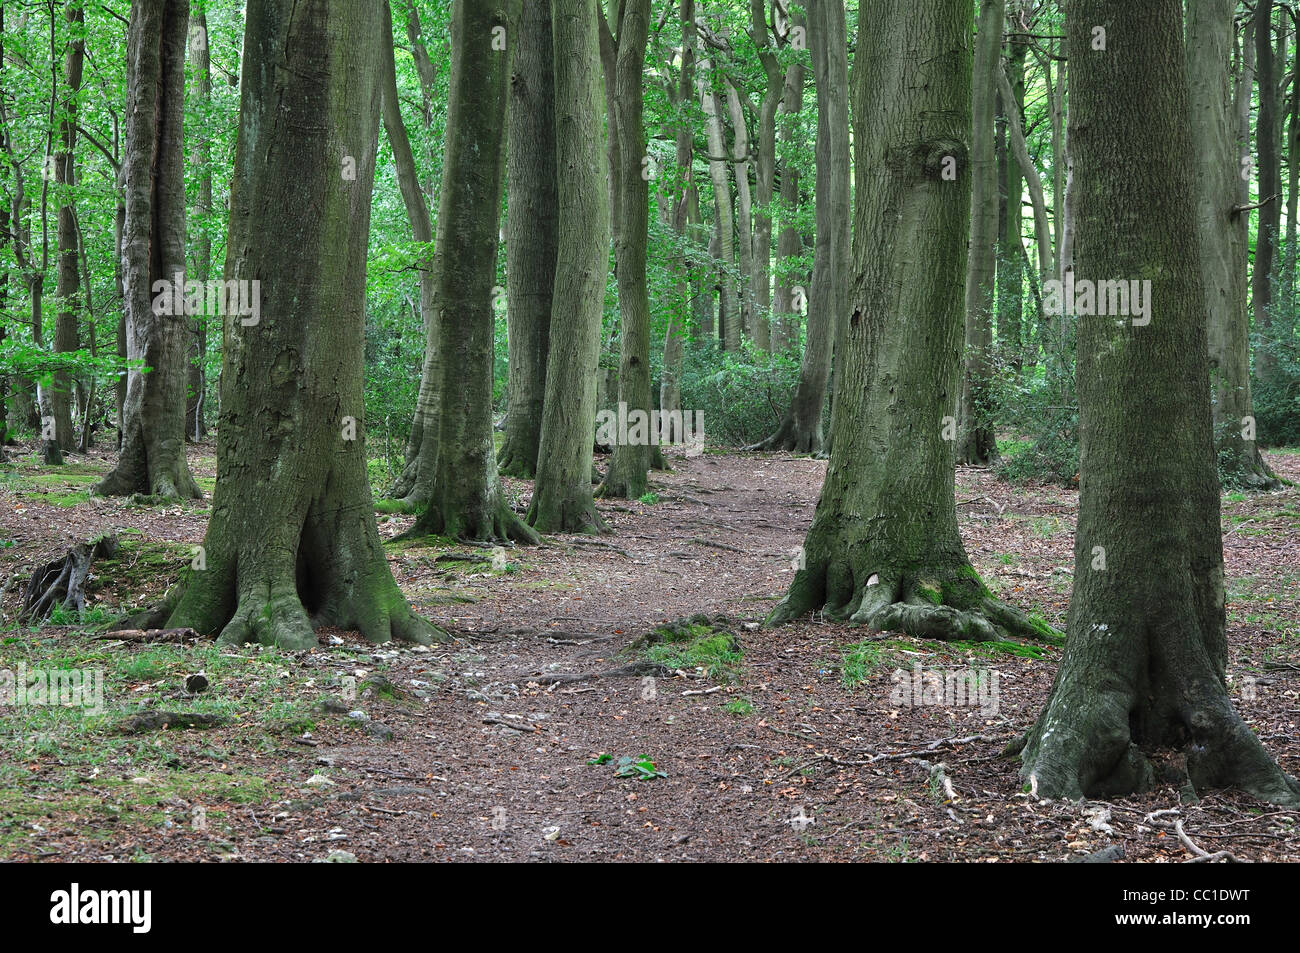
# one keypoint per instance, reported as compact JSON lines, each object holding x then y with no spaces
{"x":640,"y":768}
{"x":739,"y":706}
{"x":650,"y":499}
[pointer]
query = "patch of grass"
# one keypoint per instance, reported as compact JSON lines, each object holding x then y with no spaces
{"x":650,"y":499}
{"x":864,"y":659}
{"x":739,"y":706}
{"x":694,"y":644}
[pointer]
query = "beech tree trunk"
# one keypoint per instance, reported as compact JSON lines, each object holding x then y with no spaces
{"x":884,"y":549}
{"x":789,"y":243}
{"x":1222,"y":234}
{"x":152,"y":458}
{"x":562,"y":495}
{"x":465,"y":498}
{"x":1144,"y":664}
{"x":67,"y":286}
{"x":626,"y":477}
{"x":292,"y":542}
{"x":1270,"y":187}
{"x":976,"y":441}
{"x":201,"y":246}
{"x":800,"y":430}
{"x":531,"y":215}
{"x":724,"y":254}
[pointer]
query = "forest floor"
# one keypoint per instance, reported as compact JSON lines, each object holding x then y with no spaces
{"x":766,"y":744}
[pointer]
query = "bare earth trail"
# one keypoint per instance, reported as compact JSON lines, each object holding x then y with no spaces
{"x":480,"y":749}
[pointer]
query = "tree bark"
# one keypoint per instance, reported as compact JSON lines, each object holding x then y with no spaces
{"x":789,"y":243}
{"x":884,"y":549}
{"x":800,"y":430}
{"x":976,"y":441}
{"x":201,"y":246}
{"x":465,"y":497}
{"x":1223,"y":240}
{"x":532,"y":212}
{"x":152,"y":459}
{"x":626,"y":477}
{"x":562,"y":495}
{"x":1144,"y":663}
{"x":67,"y":284}
{"x":1270,"y":187}
{"x":292,"y":542}
{"x":723,"y":214}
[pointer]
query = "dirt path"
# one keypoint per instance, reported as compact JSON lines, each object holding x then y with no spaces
{"x":480,"y":750}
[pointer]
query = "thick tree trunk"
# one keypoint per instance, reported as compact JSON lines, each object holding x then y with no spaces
{"x":1143,"y":671}
{"x":760,"y":257}
{"x":152,"y":459}
{"x":626,"y":477}
{"x":67,"y":286}
{"x":201,"y":246}
{"x":465,"y":498}
{"x":1222,"y":234}
{"x":562,"y":496}
{"x":1011,"y":276}
{"x":292,"y":542}
{"x":976,"y":441}
{"x":800,"y":430}
{"x":884,"y":549}
{"x":530,"y":236}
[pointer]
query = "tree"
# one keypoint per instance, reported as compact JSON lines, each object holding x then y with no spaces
{"x":465,"y":498}
{"x":201,"y":246}
{"x":800,"y":430}
{"x":1221,"y":231}
{"x":292,"y":541}
{"x":67,"y":286}
{"x":1146,"y":652}
{"x":562,"y":495}
{"x":884,"y":549}
{"x":530,"y":235}
{"x":152,"y":458}
{"x":1270,"y":182}
{"x":975,"y":439}
{"x":626,"y":477}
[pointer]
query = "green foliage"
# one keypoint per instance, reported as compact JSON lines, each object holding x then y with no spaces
{"x":742,"y":396}
{"x":1040,"y":404}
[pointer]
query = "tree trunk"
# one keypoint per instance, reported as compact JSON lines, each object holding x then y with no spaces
{"x":744,"y":214}
{"x":1270,"y":179}
{"x":626,"y":477}
{"x":884,"y":549}
{"x":800,"y":430}
{"x":562,"y":496}
{"x":67,"y":286}
{"x":530,"y":236}
{"x":465,"y":498}
{"x":201,"y":246}
{"x":1011,"y":286}
{"x":1222,"y":235}
{"x":152,"y":459}
{"x":976,"y":441}
{"x":1143,"y":670}
{"x":789,"y":243}
{"x":684,"y":212}
{"x":723,"y":221}
{"x":292,"y":542}
{"x":760,"y":256}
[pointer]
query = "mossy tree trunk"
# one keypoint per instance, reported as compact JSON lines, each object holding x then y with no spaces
{"x":152,"y":457}
{"x":884,"y":549}
{"x":292,"y":542}
{"x":800,"y":430}
{"x":67,"y":285}
{"x":1222,"y":233}
{"x":201,"y":245}
{"x":1144,"y":663}
{"x":465,"y":497}
{"x":626,"y":477}
{"x":562,"y":496}
{"x":976,"y":443}
{"x":1270,"y":187}
{"x":532,"y":210}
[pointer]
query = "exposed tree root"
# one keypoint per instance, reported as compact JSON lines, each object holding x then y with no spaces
{"x":792,"y":437}
{"x":949,"y":605}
